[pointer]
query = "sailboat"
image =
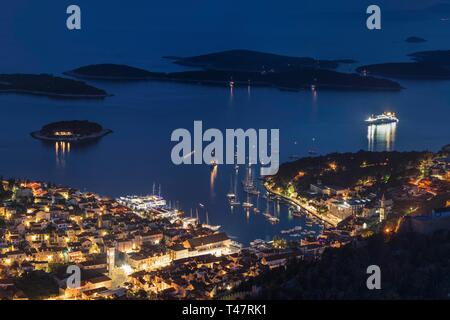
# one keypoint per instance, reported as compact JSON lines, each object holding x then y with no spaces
{"x":272,"y":219}
{"x":247,"y":203}
{"x":248,"y":183}
{"x":232,"y":195}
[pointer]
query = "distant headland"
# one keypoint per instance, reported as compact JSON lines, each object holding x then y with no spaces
{"x":111,"y":72}
{"x":406,"y":70}
{"x":48,"y":85}
{"x":264,"y":70}
{"x":71,"y":131}
{"x":433,"y":65}
{"x":438,"y":57}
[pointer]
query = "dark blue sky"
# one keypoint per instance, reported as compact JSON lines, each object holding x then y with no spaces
{"x":33,"y":36}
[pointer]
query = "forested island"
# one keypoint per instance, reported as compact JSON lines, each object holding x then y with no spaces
{"x":48,"y":85}
{"x":438,"y":57}
{"x":71,"y":131}
{"x":112,"y":72}
{"x":255,"y":61}
{"x":415,"y":39}
{"x":291,"y":79}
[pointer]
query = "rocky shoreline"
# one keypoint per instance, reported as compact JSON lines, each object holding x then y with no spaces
{"x":38,"y":135}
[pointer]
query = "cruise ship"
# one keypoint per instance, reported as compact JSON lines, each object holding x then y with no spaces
{"x":386,"y":117}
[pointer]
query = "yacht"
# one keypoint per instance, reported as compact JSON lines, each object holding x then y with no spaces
{"x":386,"y":117}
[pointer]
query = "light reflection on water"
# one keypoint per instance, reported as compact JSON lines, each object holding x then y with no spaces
{"x":212,"y":179}
{"x":381,"y":137}
{"x":62,"y":150}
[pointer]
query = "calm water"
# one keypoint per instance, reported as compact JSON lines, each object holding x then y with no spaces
{"x":143,"y":114}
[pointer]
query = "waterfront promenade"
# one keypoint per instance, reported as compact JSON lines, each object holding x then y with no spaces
{"x":326,"y":218}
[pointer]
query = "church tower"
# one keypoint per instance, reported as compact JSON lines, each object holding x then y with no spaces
{"x":383,"y":208}
{"x":111,"y":259}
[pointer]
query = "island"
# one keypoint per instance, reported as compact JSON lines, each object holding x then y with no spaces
{"x":111,"y":72}
{"x":255,"y":61}
{"x":71,"y":131}
{"x":415,"y":39}
{"x":292,"y":79}
{"x":438,"y":57}
{"x":49,"y":85}
{"x":406,"y":70}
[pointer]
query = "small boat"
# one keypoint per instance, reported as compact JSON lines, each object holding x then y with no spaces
{"x":297,"y":213}
{"x":210,"y":227}
{"x":234,"y":203}
{"x":271,"y":218}
{"x":248,"y":183}
{"x":294,"y":229}
{"x":246,"y":204}
{"x":257,"y":242}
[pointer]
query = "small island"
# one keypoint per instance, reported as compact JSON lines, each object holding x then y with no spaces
{"x":71,"y":131}
{"x":48,"y":85}
{"x":111,"y":72}
{"x":415,"y":39}
{"x":438,"y":57}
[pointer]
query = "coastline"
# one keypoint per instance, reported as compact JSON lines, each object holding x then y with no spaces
{"x":55,"y":95}
{"x":325,"y":219}
{"x":106,"y":78}
{"x":39,"y":136}
{"x":207,"y":82}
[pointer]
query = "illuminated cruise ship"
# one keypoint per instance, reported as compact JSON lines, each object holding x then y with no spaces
{"x":386,"y":117}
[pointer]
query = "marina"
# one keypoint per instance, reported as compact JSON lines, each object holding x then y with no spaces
{"x":126,"y":162}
